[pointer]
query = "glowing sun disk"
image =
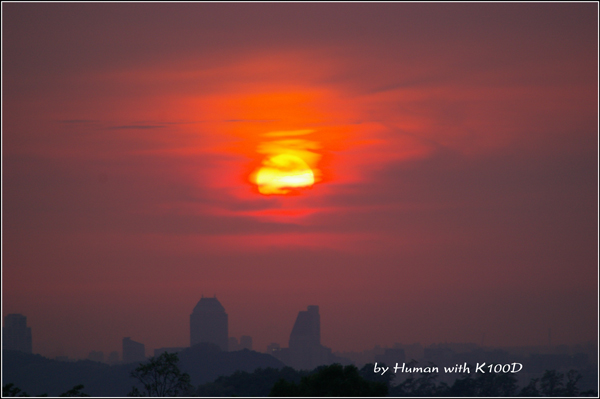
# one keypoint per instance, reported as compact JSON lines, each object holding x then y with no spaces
{"x":280,"y":173}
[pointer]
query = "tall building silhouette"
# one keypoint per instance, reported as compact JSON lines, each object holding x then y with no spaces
{"x":305,"y":351}
{"x":133,"y":351}
{"x":15,"y":333}
{"x":307,"y":329}
{"x":209,"y":323}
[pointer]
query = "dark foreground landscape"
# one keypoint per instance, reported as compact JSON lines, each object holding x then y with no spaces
{"x":36,"y":374}
{"x":248,"y":373}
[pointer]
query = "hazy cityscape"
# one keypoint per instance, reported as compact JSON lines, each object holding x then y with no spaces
{"x":208,"y":324}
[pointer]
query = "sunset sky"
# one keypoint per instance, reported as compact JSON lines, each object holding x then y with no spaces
{"x":453,"y":149}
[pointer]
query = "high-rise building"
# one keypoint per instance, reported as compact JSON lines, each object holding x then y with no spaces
{"x":15,"y":333}
{"x":133,"y":351}
{"x":209,"y":323}
{"x":307,"y":329}
{"x":305,"y":351}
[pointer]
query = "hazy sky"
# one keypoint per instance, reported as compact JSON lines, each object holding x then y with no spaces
{"x":455,"y":148}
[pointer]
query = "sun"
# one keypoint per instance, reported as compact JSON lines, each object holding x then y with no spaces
{"x":280,"y":174}
{"x":289,"y":162}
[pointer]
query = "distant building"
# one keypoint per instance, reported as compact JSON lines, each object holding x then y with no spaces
{"x":133,"y":351}
{"x":96,"y":356}
{"x":113,"y":357}
{"x":305,"y":351}
{"x":413,"y":351}
{"x":15,"y":333}
{"x":273,"y":348}
{"x":174,"y":349}
{"x":538,"y":362}
{"x":233,"y":344}
{"x":246,"y":342}
{"x":209,"y":323}
{"x":307,"y":329}
{"x":391,"y":356}
{"x":438,"y":354}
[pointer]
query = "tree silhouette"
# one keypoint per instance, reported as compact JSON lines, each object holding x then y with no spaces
{"x":573,"y":378}
{"x":75,"y":391}
{"x":424,"y":385}
{"x":531,"y":389}
{"x":367,"y":373}
{"x":160,"y":376}
{"x":334,"y":380}
{"x":552,"y":383}
{"x":241,"y":383}
{"x":496,"y":385}
{"x":11,"y":390}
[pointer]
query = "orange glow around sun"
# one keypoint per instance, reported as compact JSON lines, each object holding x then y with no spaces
{"x":289,"y":163}
{"x":284,"y":140}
